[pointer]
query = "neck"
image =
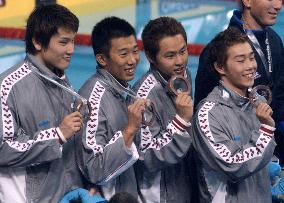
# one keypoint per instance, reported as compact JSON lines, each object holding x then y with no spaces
{"x":240,"y":91}
{"x":164,"y":76}
{"x":56,"y":71}
{"x":120,"y":82}
{"x":249,"y":22}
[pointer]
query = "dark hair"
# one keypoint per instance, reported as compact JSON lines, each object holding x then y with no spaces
{"x":218,"y":47}
{"x":45,"y":21}
{"x":108,"y":29}
{"x":123,"y":197}
{"x":156,"y":30}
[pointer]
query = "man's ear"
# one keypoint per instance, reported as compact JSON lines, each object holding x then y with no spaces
{"x":101,"y":59}
{"x":37,"y":45}
{"x":247,"y":3}
{"x":219,"y":68}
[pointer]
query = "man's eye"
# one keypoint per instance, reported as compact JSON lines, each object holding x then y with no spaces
{"x":169,"y":56}
{"x":183,"y":51}
{"x":136,"y":51}
{"x":123,"y":54}
{"x":63,"y":42}
{"x":241,"y":61}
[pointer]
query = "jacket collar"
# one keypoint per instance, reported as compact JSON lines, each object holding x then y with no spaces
{"x":32,"y":60}
{"x":232,"y":98}
{"x":236,"y":21}
{"x":112,"y":84}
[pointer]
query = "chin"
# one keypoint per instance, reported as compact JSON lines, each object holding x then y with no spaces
{"x":270,"y":22}
{"x":127,"y":79}
{"x":248,"y":86}
{"x":63,"y":67}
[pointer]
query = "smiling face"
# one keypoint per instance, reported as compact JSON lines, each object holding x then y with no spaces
{"x":59,"y":51}
{"x":123,"y":58}
{"x":172,"y":56}
{"x":239,"y":71}
{"x":263,"y":12}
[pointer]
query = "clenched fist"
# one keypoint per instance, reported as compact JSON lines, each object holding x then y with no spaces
{"x":135,"y":111}
{"x":184,"y":106}
{"x":71,"y":124}
{"x":264,"y":114}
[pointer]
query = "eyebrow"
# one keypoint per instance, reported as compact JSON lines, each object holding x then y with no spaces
{"x":65,"y":38}
{"x":244,"y":55}
{"x":124,"y":49}
{"x":184,"y":47}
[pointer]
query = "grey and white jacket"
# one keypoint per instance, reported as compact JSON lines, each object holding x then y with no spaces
{"x":233,"y":149}
{"x":102,"y":155}
{"x":162,"y":170}
{"x":34,"y":166}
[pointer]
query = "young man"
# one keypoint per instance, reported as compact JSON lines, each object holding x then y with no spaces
{"x":233,"y":139}
{"x":162,"y":170}
{"x":256,"y":17}
{"x":108,"y":153}
{"x":36,"y":114}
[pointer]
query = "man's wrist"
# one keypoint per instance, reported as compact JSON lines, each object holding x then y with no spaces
{"x":61,"y":136}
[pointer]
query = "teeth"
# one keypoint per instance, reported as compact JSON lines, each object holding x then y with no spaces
{"x":129,"y":70}
{"x":179,"y":70}
{"x":251,"y":75}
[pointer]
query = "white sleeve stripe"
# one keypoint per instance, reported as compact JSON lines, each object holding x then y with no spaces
{"x":44,"y":135}
{"x":8,"y":124}
{"x":6,"y":86}
{"x":92,"y":124}
{"x":221,"y":149}
{"x":149,"y":142}
{"x":146,"y":86}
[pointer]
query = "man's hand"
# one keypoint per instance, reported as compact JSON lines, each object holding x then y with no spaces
{"x":184,"y":106}
{"x":264,"y":113}
{"x":135,"y":111}
{"x":71,"y":124}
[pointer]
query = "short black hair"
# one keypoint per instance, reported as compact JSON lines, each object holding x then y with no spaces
{"x":108,"y":29}
{"x":123,"y":197}
{"x":156,"y":30}
{"x":44,"y":22}
{"x":218,"y":47}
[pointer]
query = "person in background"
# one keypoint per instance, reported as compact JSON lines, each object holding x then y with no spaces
{"x":37,"y":161}
{"x":233,"y":136}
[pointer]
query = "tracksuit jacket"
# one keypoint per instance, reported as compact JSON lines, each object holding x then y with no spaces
{"x":163,"y":169}
{"x":34,"y":166}
{"x":233,"y":149}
